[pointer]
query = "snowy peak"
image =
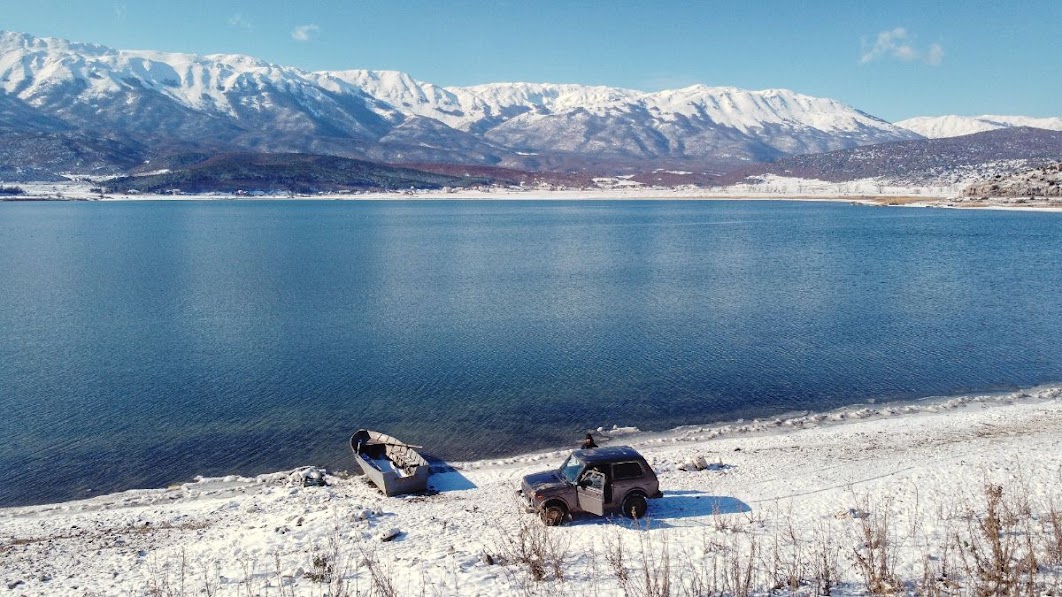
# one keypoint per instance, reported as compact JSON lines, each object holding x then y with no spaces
{"x":12,"y":40}
{"x":32,"y":67}
{"x":483,"y":107}
{"x":244,"y":103}
{"x":399,"y":93}
{"x":749,"y":110}
{"x":938,"y":127}
{"x":549,"y":97}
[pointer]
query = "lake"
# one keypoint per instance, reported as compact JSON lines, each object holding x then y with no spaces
{"x":144,"y":343}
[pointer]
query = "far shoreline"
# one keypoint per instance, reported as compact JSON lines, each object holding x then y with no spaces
{"x":594,"y":195}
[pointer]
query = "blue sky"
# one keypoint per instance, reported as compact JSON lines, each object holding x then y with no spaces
{"x":892,"y":59}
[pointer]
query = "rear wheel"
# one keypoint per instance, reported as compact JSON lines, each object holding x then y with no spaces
{"x":554,"y":514}
{"x":634,"y":505}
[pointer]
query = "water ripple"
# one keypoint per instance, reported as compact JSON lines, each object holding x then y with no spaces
{"x":145,"y":343}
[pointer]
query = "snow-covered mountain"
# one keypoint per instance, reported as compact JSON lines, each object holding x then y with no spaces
{"x":169,"y":102}
{"x":938,"y":127}
{"x":688,"y":123}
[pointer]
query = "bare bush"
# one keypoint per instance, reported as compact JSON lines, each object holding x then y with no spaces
{"x":824,"y":571}
{"x":698,"y":573}
{"x":323,"y":569}
{"x":616,"y":558}
{"x":331,"y":567}
{"x":645,"y":572}
{"x":1053,"y":522}
{"x":180,"y":577}
{"x":937,"y":577}
{"x":788,"y":565}
{"x":539,"y":549}
{"x":162,"y":585}
{"x":739,"y":565}
{"x":873,"y":554}
{"x":654,"y":579}
{"x":382,"y":584}
{"x":285,"y":582}
{"x":996,"y":551}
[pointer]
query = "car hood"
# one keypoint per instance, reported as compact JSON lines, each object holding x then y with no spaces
{"x":544,"y":480}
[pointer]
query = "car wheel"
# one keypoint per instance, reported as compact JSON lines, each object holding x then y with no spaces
{"x":554,"y":514}
{"x":634,"y":505}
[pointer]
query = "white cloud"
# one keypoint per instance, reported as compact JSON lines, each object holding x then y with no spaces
{"x":898,"y":44}
{"x":935,"y":55}
{"x":239,"y":22}
{"x":304,"y":32}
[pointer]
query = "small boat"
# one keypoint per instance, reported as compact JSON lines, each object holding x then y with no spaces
{"x":395,"y":467}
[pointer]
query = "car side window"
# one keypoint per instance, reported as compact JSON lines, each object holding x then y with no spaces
{"x":594,"y":480}
{"x":627,"y":470}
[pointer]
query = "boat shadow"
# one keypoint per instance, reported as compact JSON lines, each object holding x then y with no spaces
{"x":445,"y":478}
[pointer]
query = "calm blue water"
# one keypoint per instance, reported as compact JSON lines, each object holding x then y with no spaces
{"x":145,"y":343}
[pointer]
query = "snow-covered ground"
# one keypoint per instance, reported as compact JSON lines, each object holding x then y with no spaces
{"x":873,"y":191}
{"x":769,"y":187}
{"x":620,"y":187}
{"x":780,"y":500}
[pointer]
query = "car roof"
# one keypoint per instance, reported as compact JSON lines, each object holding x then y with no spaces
{"x":608,"y":454}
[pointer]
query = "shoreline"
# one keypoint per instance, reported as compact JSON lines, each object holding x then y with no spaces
{"x":794,"y":190}
{"x":764,"y":482}
{"x":869,"y":410}
{"x":864,"y":200}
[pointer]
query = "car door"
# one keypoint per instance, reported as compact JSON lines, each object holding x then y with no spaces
{"x":590,"y":492}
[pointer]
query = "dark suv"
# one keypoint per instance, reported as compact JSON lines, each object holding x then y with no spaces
{"x":599,"y":481}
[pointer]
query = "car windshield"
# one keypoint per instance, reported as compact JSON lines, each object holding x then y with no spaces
{"x":571,"y":467}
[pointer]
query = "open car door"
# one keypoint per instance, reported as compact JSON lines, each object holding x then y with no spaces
{"x":591,"y":492}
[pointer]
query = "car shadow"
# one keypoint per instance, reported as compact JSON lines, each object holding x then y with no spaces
{"x":672,"y":509}
{"x":689,"y":504}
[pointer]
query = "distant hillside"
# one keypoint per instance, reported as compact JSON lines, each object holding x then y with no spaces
{"x":43,"y":155}
{"x":918,"y":161}
{"x":282,"y":173}
{"x":508,"y":176}
{"x":1038,"y":182}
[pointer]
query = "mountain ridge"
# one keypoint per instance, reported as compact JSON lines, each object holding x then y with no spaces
{"x":939,"y":127}
{"x":233,"y":102}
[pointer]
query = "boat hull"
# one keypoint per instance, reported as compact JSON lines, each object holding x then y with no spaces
{"x":393,"y":466}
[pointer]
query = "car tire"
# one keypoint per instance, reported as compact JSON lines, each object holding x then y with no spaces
{"x":554,"y":514}
{"x":634,"y":505}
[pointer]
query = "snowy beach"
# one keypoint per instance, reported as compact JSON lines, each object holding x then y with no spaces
{"x":782,"y":504}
